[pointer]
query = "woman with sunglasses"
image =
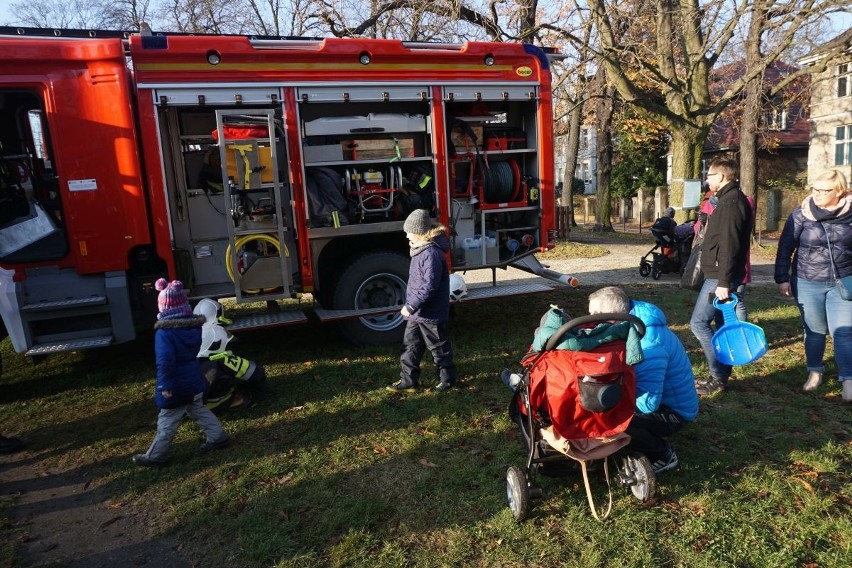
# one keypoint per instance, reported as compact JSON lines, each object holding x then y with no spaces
{"x":816,"y":246}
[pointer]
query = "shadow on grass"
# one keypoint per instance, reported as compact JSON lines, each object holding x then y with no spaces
{"x":328,"y":457}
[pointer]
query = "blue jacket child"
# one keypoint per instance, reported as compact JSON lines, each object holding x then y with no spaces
{"x":427,"y":304}
{"x":180,"y":383}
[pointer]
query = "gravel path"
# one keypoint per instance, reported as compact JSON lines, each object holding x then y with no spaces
{"x":619,"y":267}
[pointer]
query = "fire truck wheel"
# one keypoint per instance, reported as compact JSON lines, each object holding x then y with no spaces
{"x":375,"y":280}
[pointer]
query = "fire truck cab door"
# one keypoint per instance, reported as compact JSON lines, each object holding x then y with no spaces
{"x":67,"y":131}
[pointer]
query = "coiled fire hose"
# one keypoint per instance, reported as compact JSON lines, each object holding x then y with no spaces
{"x":240,"y":242}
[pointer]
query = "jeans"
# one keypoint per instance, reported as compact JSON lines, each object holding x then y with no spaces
{"x":169,"y":420}
{"x":416,"y":339}
{"x":649,"y":431}
{"x":703,"y":315}
{"x":824,"y":312}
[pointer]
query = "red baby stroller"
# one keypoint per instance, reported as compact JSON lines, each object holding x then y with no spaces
{"x":572,"y":405}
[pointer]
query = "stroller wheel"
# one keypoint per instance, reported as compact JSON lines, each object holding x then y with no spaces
{"x":644,"y":267}
{"x":639,"y":475}
{"x":518,"y":492}
{"x":656,"y":272}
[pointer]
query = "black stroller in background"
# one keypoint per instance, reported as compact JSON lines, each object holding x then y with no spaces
{"x":673,"y":243}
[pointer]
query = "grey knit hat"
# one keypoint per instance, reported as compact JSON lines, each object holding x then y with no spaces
{"x":418,"y":222}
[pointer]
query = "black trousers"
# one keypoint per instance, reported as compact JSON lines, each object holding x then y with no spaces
{"x":421,"y":336}
{"x":649,"y":431}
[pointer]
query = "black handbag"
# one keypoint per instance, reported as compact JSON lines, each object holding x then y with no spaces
{"x":693,"y":277}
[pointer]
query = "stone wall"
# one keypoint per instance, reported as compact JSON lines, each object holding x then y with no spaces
{"x":773,"y":207}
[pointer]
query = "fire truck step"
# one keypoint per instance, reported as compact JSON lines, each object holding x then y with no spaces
{"x":254,"y":321}
{"x":504,"y":290}
{"x":331,"y":315}
{"x":65,"y":303}
{"x":71,"y":345}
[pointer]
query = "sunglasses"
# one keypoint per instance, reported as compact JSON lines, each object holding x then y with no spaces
{"x":714,"y":174}
{"x":822,"y":191}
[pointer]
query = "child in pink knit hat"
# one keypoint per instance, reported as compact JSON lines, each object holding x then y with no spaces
{"x":172,"y":301}
{"x":180,"y":383}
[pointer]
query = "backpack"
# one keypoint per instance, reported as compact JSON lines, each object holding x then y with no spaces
{"x":325,"y":198}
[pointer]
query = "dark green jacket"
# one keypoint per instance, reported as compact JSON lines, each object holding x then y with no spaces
{"x":586,"y":339}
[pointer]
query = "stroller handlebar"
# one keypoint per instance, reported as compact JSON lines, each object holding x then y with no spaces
{"x":556,"y":338}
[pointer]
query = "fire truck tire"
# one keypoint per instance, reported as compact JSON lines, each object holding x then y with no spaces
{"x":374,"y":280}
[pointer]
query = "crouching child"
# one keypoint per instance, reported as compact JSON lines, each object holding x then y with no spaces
{"x":234,"y":381}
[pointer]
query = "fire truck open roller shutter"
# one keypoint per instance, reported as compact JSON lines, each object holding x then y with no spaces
{"x":367,"y":93}
{"x":172,"y":96}
{"x":479,"y":92}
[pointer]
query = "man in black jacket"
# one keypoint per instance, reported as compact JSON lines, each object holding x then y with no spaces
{"x":723,"y":259}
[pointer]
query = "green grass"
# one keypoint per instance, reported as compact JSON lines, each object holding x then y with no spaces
{"x":571,"y":249}
{"x":332,"y":470}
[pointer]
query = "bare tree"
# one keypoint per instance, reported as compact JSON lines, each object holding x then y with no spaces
{"x":753,"y":100}
{"x":570,"y":91}
{"x":77,"y":14}
{"x":127,"y":14}
{"x":202,"y":16}
{"x":687,"y":41}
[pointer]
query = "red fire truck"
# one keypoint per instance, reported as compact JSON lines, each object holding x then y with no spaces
{"x":260,"y":169}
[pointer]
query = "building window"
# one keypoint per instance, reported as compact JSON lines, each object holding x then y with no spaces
{"x":775,"y":118}
{"x":585,"y":137}
{"x":843,"y":145}
{"x":844,"y":78}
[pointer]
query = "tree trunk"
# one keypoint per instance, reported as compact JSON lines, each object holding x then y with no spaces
{"x":753,"y":101}
{"x":748,"y":139}
{"x":687,"y":143}
{"x":575,"y":119}
{"x":603,"y":113}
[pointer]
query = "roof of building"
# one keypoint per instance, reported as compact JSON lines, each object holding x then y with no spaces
{"x":725,"y":132}
{"x":843,"y":40}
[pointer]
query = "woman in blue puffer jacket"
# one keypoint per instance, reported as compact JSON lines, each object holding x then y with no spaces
{"x":666,"y":399}
{"x":814,"y":252}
